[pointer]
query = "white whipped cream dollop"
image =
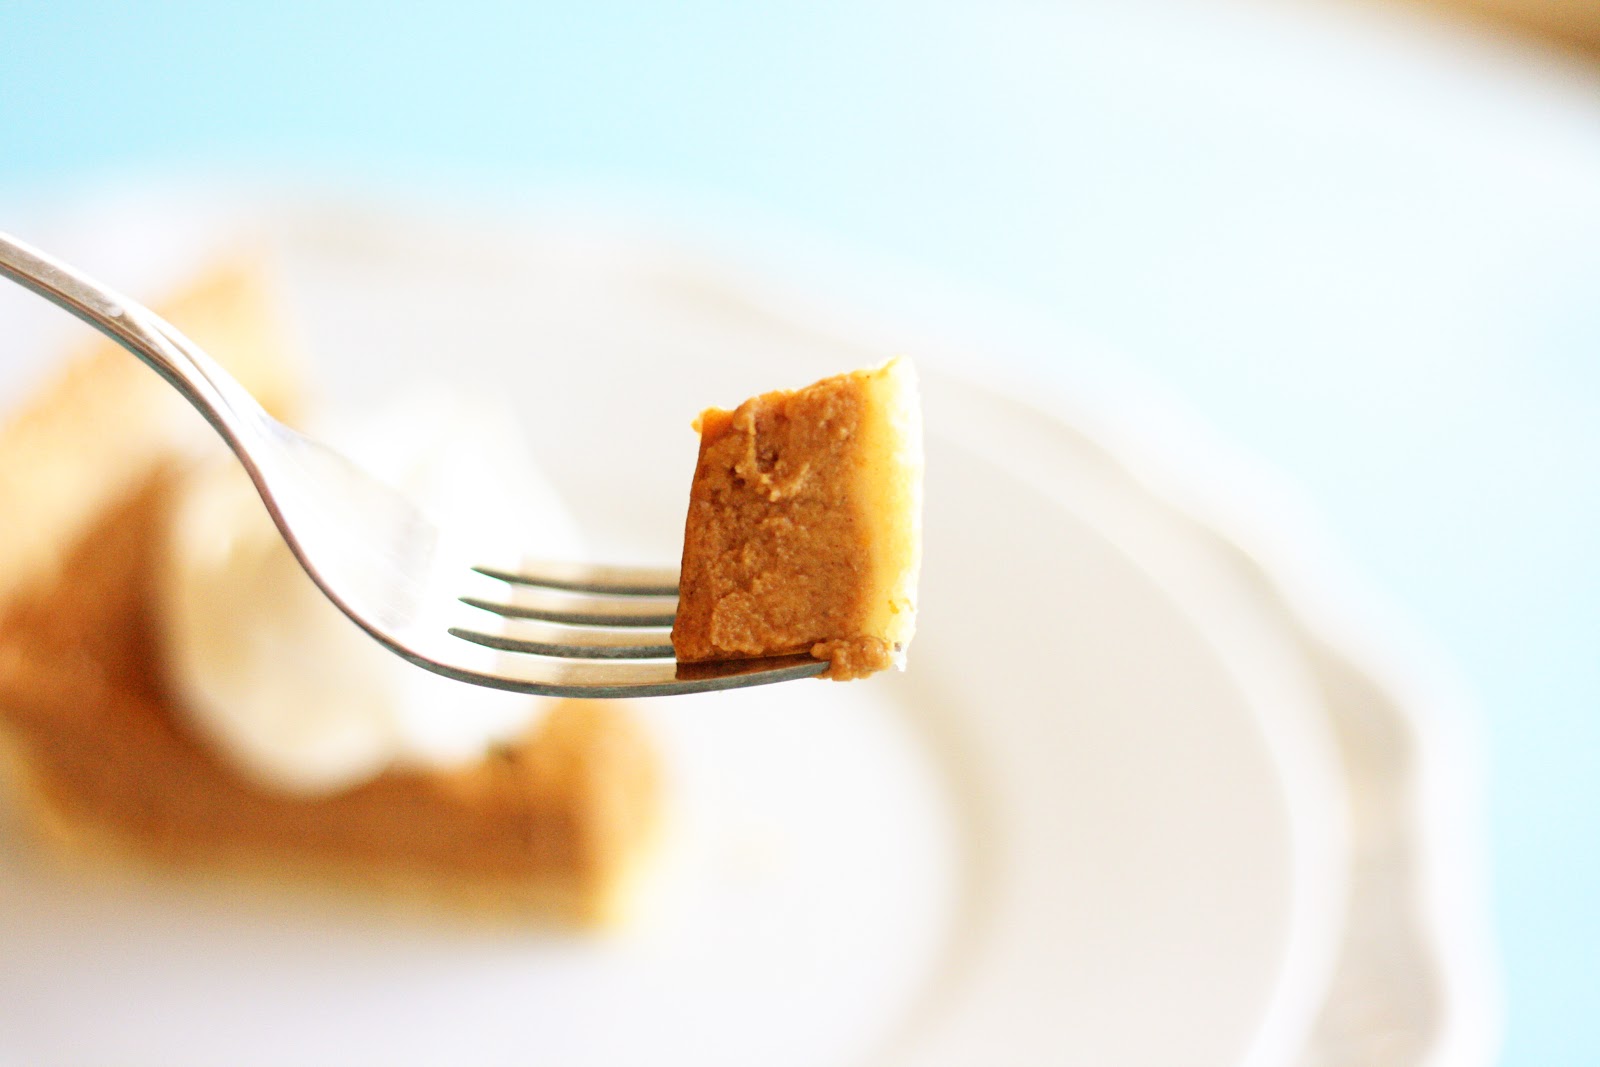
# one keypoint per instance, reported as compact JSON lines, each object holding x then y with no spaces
{"x":288,"y":688}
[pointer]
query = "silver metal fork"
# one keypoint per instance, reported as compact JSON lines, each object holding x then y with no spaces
{"x":556,"y":628}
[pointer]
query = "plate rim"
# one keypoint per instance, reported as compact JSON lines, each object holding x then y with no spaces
{"x":1217,"y":488}
{"x":1180,"y":462}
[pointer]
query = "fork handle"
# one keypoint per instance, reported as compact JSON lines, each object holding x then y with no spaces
{"x":215,"y":392}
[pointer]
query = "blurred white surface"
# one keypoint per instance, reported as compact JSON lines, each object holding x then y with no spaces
{"x":1107,"y":791}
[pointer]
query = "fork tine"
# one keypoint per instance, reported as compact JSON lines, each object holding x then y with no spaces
{"x":589,"y":577}
{"x":493,"y":635}
{"x":613,"y":678}
{"x":511,"y":633}
{"x":581,"y":609}
{"x":514,"y":599}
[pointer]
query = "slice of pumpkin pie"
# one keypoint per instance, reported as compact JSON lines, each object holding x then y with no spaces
{"x":553,"y":819}
{"x":804,"y":532}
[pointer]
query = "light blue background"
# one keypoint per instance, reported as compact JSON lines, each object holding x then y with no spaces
{"x":1359,"y":248}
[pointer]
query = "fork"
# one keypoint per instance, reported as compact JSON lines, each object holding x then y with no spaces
{"x":476,"y":614}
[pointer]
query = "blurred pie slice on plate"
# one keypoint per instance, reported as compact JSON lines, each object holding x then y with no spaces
{"x":556,"y":821}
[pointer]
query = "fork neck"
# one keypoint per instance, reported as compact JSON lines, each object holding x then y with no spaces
{"x":220,"y":398}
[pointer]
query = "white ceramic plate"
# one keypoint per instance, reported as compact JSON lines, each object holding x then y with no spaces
{"x":1415,"y":978}
{"x":1097,"y":821}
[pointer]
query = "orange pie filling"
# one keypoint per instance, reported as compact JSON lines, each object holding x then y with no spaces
{"x":804,"y":527}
